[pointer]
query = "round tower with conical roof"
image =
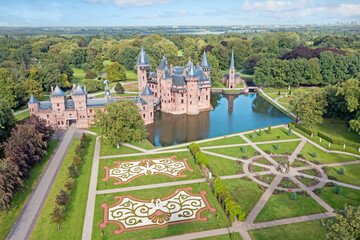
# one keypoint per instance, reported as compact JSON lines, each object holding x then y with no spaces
{"x":143,"y":68}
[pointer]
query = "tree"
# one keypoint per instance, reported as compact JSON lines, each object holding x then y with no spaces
{"x":62,"y":199}
{"x":7,"y":120}
{"x":119,"y":88}
{"x":346,"y":224}
{"x":69,"y":185}
{"x":57,"y":216}
{"x":52,"y":76}
{"x":293,"y":196}
{"x":127,"y":57}
{"x":7,"y":88}
{"x":290,"y":130}
{"x":32,"y":87}
{"x":341,"y":171}
{"x":90,"y":74}
{"x":121,"y":122}
{"x":98,"y":63}
{"x":115,"y":72}
{"x":296,"y":102}
{"x":73,"y":171}
{"x":312,"y":108}
{"x":93,"y":85}
{"x":78,"y":57}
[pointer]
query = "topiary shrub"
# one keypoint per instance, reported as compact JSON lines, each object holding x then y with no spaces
{"x":293,"y":196}
{"x":243,"y":149}
{"x":341,"y":171}
{"x":314,"y":154}
{"x":119,"y":88}
{"x":337,"y":189}
{"x":269,"y":129}
{"x":289,"y":131}
{"x":277,"y":147}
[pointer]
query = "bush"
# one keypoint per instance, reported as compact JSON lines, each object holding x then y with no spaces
{"x":337,"y":189}
{"x":341,"y":171}
{"x":338,"y":142}
{"x":243,"y":149}
{"x":304,"y":129}
{"x":119,"y":88}
{"x":277,"y":146}
{"x":314,"y":154}
{"x":318,"y":191}
{"x":86,"y":67}
{"x":289,"y":131}
{"x":194,"y":148}
{"x":93,"y":85}
{"x":269,"y":129}
{"x":300,"y":155}
{"x":201,"y":158}
{"x":91,"y":74}
{"x":293,"y":196}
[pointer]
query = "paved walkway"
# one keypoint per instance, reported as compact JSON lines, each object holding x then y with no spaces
{"x":26,"y":221}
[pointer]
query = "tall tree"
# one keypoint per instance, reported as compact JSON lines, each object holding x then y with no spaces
{"x":121,"y":122}
{"x":7,"y":120}
{"x":115,"y":72}
{"x":57,"y":216}
{"x":62,"y":199}
{"x":32,"y":87}
{"x":296,"y":102}
{"x":313,"y":108}
{"x":7,"y":88}
{"x":98,"y":63}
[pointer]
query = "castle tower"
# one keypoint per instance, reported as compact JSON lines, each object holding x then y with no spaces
{"x":205,"y":66}
{"x":79,"y":96}
{"x":165,"y":94}
{"x":58,"y":99}
{"x":192,"y":90}
{"x":143,"y":68}
{"x":231,"y":82}
{"x":33,"y":105}
{"x":148,"y":97}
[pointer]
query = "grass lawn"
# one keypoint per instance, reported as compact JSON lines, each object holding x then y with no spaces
{"x":130,"y":74}
{"x":324,"y":157}
{"x":78,"y":70}
{"x":306,"y":180}
{"x":108,"y":149}
{"x":281,"y":206}
{"x":231,"y":90}
{"x":223,"y":141}
{"x":75,"y":211}
{"x":7,"y":219}
{"x":311,"y":230}
{"x":215,"y":220}
{"x":246,"y":193}
{"x":283,"y":91}
{"x":347,"y":195}
{"x":217,"y":85}
{"x":285,"y":147}
{"x":224,"y":166}
{"x":147,"y":179}
{"x":232,"y":236}
{"x":22,"y":115}
{"x":78,"y":79}
{"x":240,"y":85}
{"x":276,"y":134}
{"x":351,"y":174}
{"x":234,"y":151}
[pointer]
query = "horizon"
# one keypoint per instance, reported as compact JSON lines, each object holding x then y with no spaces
{"x":151,"y":13}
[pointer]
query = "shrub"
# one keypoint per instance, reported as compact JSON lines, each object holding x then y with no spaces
{"x":256,"y":153}
{"x":277,"y":146}
{"x":119,"y":88}
{"x":314,"y":154}
{"x":289,"y":131}
{"x":304,"y":129}
{"x":267,"y":151}
{"x":251,"y":136}
{"x":91,"y":74}
{"x":259,"y":133}
{"x":201,"y":158}
{"x":269,"y":129}
{"x":243,"y":149}
{"x":93,"y":85}
{"x":77,"y":160}
{"x":293,"y":196}
{"x":300,"y":155}
{"x":341,"y":171}
{"x":318,"y":191}
{"x":194,"y":148}
{"x":337,"y":189}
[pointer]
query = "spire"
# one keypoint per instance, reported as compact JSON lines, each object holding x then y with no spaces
{"x":33,"y":100}
{"x":232,"y":64}
{"x":204,"y":64}
{"x":143,"y":60}
{"x":147,"y":91}
{"x":57,"y":92}
{"x":162,"y":64}
{"x":79,"y":91}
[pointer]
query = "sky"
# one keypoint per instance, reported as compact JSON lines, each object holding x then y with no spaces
{"x":176,"y":12}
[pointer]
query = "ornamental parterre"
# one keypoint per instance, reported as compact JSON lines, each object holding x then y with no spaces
{"x":131,"y":213}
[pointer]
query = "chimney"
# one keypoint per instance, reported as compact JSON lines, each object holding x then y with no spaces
{"x":171,"y":69}
{"x":74,"y":87}
{"x":52,"y":89}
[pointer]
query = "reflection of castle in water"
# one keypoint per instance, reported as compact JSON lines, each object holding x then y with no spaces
{"x":179,"y":128}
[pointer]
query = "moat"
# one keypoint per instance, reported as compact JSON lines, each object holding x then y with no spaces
{"x":231,"y":114}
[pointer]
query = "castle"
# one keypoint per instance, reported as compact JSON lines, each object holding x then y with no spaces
{"x":231,"y":79}
{"x":175,"y":90}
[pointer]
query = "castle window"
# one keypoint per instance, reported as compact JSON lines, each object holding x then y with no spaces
{"x":58,"y":122}
{"x":62,"y":122}
{"x":150,"y":114}
{"x":144,"y":115}
{"x":70,"y":115}
{"x":182,"y":100}
{"x":58,"y":109}
{"x":58,"y":105}
{"x":207,"y":97}
{"x":190,"y":95}
{"x":47,"y":116}
{"x":199,"y":98}
{"x":90,"y":111}
{"x":190,"y":102}
{"x":144,"y":108}
{"x":182,"y":95}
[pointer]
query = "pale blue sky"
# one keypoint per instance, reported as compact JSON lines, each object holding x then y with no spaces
{"x":174,"y":12}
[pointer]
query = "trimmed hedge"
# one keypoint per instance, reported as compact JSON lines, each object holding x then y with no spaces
{"x":338,"y":142}
{"x":200,"y":158}
{"x":304,"y":129}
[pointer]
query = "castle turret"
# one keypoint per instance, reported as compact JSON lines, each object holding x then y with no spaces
{"x":192,"y":90}
{"x":231,"y":82}
{"x":205,"y":66}
{"x":33,"y":105}
{"x":143,"y":68}
{"x":58,"y":103}
{"x":79,"y":96}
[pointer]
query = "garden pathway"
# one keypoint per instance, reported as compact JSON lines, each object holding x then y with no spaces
{"x":30,"y":213}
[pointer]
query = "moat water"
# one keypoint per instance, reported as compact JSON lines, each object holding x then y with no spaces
{"x":231,"y":114}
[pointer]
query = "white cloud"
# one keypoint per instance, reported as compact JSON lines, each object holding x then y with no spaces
{"x":140,"y":3}
{"x":179,"y":13}
{"x":348,"y":10}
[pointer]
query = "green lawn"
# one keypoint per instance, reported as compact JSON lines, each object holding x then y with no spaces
{"x":276,"y":134}
{"x":351,"y":174}
{"x":75,"y":210}
{"x":232,"y":236}
{"x":108,"y":149}
{"x":146,"y":179}
{"x":240,"y":85}
{"x":224,"y":166}
{"x":215,"y":220}
{"x":311,"y":230}
{"x":7,"y":219}
{"x":322,"y":156}
{"x":285,"y":147}
{"x":217,"y":84}
{"x":346,"y":196}
{"x":22,"y":115}
{"x":223,"y":141}
{"x":246,"y":193}
{"x":78,"y":79}
{"x":283,"y":91}
{"x":131,"y":75}
{"x":281,"y":206}
{"x":234,"y":151}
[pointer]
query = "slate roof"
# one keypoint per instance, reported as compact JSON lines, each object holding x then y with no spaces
{"x":178,"y":80}
{"x":79,"y":91}
{"x":204,"y":62}
{"x":166,"y":75}
{"x":226,"y":75}
{"x":162,"y":64}
{"x":143,"y":60}
{"x":139,"y":100}
{"x":69,"y":104}
{"x":98,"y":102}
{"x":33,"y":100}
{"x":45,"y":105}
{"x":232,"y":62}
{"x":57,"y":92}
{"x":147,"y":91}
{"x":178,"y":70}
